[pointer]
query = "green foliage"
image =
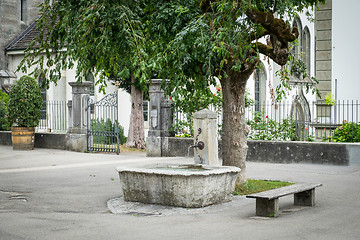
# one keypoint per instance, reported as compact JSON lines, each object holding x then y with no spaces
{"x":295,"y":67}
{"x":187,"y":103}
{"x":248,"y":101}
{"x":225,"y":40}
{"x":329,"y":100}
{"x":4,"y":123}
{"x":348,"y":132}
{"x":25,"y":102}
{"x":177,"y":40}
{"x":112,"y":39}
{"x":107,"y":126}
{"x":264,"y":128}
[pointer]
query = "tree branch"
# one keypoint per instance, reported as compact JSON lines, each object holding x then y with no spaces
{"x":273,"y":25}
{"x":279,"y":55}
{"x":255,"y":36}
{"x":280,"y":35}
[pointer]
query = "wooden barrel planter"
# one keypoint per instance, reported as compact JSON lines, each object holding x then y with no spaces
{"x":23,"y":138}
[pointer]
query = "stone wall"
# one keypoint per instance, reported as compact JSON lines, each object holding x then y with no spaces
{"x":42,"y":140}
{"x":5,"y":138}
{"x":283,"y":152}
{"x":345,"y":154}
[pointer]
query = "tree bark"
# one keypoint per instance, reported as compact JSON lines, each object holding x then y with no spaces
{"x":235,"y":128}
{"x":136,"y":137}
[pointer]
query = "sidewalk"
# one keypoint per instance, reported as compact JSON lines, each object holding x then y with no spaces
{"x":54,"y":194}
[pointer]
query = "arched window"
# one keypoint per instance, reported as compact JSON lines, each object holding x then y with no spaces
{"x":306,"y":49}
{"x":297,"y":50}
{"x":260,"y":87}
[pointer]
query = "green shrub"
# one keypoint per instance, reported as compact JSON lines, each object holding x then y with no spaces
{"x":264,"y":128}
{"x":348,"y":132}
{"x":25,"y":102}
{"x":107,"y":126}
{"x":4,"y":123}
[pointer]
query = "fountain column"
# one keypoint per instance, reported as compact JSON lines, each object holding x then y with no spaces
{"x":205,"y":122}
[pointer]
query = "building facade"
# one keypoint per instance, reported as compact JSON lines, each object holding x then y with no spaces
{"x":15,"y":17}
{"x":337,"y":53}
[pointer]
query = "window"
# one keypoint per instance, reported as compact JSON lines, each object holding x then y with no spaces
{"x":90,"y":78}
{"x":23,"y":10}
{"x":306,"y":49}
{"x":260,"y":87}
{"x":43,"y":94}
{"x":146,"y":110}
{"x":297,"y":50}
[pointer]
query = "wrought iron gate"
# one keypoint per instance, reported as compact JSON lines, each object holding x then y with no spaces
{"x":103,"y":130}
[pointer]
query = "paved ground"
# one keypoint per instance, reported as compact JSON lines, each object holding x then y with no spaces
{"x":53,"y":194}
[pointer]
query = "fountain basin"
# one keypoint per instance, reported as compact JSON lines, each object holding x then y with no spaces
{"x":190,"y":185}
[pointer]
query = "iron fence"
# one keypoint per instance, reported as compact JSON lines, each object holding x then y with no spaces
{"x":287,"y":120}
{"x":54,"y":117}
{"x":315,"y":121}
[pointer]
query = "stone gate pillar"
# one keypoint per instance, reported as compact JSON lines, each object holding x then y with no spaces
{"x":161,"y":119}
{"x":76,"y":138}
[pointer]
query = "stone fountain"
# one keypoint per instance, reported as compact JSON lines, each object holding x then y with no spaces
{"x":188,"y":185}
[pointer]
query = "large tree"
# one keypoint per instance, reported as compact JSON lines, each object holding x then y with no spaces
{"x":189,"y":42}
{"x":226,"y":40}
{"x":115,"y":39}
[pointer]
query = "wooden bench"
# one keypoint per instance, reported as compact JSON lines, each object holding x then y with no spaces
{"x":267,"y":203}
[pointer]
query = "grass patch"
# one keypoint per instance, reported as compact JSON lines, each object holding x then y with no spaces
{"x":124,"y":148}
{"x":255,"y":186}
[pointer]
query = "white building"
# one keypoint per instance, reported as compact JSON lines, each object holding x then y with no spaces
{"x":337,"y":51}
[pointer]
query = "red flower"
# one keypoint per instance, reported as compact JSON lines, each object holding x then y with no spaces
{"x":306,"y":129}
{"x":170,"y":97}
{"x":266,"y":116}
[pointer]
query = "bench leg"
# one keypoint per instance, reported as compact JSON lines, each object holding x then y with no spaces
{"x":267,"y":208}
{"x":306,"y":198}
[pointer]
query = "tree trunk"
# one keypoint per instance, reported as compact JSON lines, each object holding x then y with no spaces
{"x":235,"y":129}
{"x":136,"y":137}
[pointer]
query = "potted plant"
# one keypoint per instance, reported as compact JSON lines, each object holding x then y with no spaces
{"x":24,"y":106}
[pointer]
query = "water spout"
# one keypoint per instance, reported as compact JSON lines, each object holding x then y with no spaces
{"x":200,"y":145}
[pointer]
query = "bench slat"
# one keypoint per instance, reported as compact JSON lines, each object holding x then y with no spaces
{"x":283,"y":191}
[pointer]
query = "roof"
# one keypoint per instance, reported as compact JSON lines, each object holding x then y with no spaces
{"x":22,"y":41}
